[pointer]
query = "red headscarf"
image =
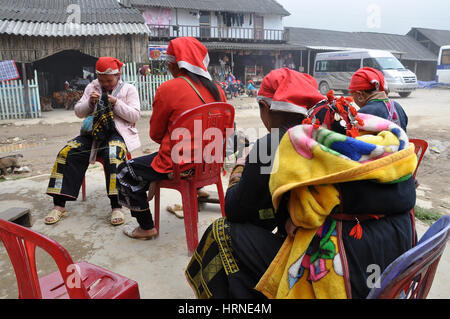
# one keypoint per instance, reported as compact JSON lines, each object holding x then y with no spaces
{"x":108,"y":65}
{"x":190,"y":54}
{"x":289,"y":91}
{"x":367,"y":79}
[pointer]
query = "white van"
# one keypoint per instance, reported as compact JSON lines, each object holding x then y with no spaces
{"x":443,"y":67}
{"x":334,"y":70}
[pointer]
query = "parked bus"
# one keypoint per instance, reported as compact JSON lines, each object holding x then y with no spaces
{"x":334,"y":70}
{"x":443,"y":67}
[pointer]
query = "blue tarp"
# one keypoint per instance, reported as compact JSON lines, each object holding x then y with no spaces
{"x":432,"y":84}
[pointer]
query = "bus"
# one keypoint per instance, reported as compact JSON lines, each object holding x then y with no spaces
{"x":443,"y":66}
{"x":334,"y":70}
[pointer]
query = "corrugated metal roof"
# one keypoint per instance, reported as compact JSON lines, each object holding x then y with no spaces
{"x":438,"y":37}
{"x":246,"y":6}
{"x":45,"y":29}
{"x":57,"y":11}
{"x":250,"y":46}
{"x":410,"y":48}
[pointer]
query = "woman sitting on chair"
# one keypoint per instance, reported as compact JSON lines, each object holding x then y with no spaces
{"x":188,"y":62}
{"x":368,"y":88}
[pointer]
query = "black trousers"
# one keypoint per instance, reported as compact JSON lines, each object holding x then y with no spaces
{"x":72,"y":162}
{"x":133,"y":179}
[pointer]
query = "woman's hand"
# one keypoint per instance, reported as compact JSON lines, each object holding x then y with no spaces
{"x":112,"y":100}
{"x":290,"y":228}
{"x":93,"y":98}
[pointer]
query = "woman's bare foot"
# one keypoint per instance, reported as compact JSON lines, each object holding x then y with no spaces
{"x":139,"y":233}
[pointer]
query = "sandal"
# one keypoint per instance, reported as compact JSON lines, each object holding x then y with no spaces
{"x":129,"y":230}
{"x":177,"y":210}
{"x":56,"y":215}
{"x":202,"y":194}
{"x":117,"y":214}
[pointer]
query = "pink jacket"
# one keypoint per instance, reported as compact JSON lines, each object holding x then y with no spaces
{"x":127,"y":111}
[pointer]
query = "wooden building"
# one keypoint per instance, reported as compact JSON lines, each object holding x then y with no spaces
{"x":62,"y":39}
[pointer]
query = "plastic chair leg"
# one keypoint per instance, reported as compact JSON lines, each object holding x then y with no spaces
{"x":190,"y":224}
{"x":221,"y":197}
{"x":157,"y":208}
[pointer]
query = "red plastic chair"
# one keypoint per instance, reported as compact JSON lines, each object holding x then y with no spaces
{"x":421,"y":148}
{"x":212,"y":116}
{"x":83,"y":186}
{"x":80,"y":280}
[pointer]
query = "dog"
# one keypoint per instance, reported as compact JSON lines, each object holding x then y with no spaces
{"x":9,"y":162}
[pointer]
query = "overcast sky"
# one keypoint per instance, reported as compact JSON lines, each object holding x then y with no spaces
{"x":386,"y":16}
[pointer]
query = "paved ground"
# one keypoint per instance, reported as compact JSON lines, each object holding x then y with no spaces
{"x":158,"y":265}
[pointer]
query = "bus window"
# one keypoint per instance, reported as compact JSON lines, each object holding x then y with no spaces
{"x":445,"y":57}
{"x":371,"y":63}
{"x":322,"y":66}
{"x":351,"y":65}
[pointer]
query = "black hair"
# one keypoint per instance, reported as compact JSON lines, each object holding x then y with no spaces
{"x":208,"y":84}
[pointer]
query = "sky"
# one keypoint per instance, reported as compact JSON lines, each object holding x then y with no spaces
{"x":385,"y":16}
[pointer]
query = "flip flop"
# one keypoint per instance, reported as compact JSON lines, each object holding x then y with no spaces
{"x":56,"y":215}
{"x":177,"y":210}
{"x":129,"y":229}
{"x":117,"y":214}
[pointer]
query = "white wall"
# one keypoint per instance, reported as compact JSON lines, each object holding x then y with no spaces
{"x":218,"y":30}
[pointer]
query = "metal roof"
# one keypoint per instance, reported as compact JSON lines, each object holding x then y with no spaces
{"x":52,"y":18}
{"x":242,"y":46}
{"x":438,"y":37}
{"x":244,"y":6}
{"x":318,"y":39}
{"x":45,"y":29}
{"x":250,"y":46}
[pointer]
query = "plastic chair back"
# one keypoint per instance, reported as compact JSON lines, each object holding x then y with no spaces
{"x":209,"y":127}
{"x":421,"y":147}
{"x":411,"y":275}
{"x":20,"y":243}
{"x":205,"y":130}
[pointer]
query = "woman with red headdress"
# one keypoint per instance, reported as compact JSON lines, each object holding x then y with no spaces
{"x":111,"y":108}
{"x":188,"y":61}
{"x":242,"y":245}
{"x":368,"y":88}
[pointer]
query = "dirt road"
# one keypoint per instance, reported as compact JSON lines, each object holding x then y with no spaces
{"x":429,"y":119}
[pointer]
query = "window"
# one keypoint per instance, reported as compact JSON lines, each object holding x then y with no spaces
{"x":321,"y":66}
{"x":205,"y":18}
{"x":338,"y":66}
{"x":384,"y":63}
{"x":205,"y":24}
{"x":445,"y":59}
{"x":371,"y":63}
{"x":351,"y":65}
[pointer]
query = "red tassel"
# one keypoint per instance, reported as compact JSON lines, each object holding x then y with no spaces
{"x":317,"y":124}
{"x":330,"y":95}
{"x":224,"y":173}
{"x":307,"y":121}
{"x":360,"y":122}
{"x":356,"y":231}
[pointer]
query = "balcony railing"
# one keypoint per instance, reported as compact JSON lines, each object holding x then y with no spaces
{"x":217,"y":33}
